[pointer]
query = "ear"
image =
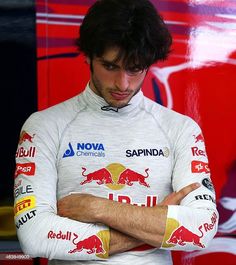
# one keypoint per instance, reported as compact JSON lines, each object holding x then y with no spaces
{"x":88,"y":61}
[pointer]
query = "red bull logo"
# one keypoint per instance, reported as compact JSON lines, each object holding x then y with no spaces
{"x":24,"y":136}
{"x":200,"y":167}
{"x":92,"y":244}
{"x":116,"y":177}
{"x":22,"y":152}
{"x":198,"y":152}
{"x":151,"y":200}
{"x":101,"y":176}
{"x":199,"y":138}
{"x":182,"y":235}
{"x":17,"y":184}
{"x":60,"y":235}
{"x":129,"y":176}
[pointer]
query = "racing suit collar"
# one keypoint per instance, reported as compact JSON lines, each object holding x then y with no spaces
{"x":98,"y":103}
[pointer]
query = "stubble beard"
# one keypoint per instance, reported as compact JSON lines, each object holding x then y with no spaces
{"x":99,"y":90}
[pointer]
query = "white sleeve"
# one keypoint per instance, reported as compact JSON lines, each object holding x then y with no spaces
{"x":192,"y":224}
{"x":41,"y":232}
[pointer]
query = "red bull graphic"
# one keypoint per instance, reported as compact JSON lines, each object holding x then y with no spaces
{"x":116,"y":176}
{"x":92,"y":244}
{"x":22,"y":152}
{"x":24,"y":136}
{"x":198,"y":152}
{"x":101,"y":176}
{"x":200,"y":167}
{"x":27,"y":169}
{"x":211,"y":225}
{"x":199,"y":138}
{"x":129,"y":176}
{"x":182,"y":235}
{"x":151,"y":200}
{"x":60,"y":235}
{"x":17,"y":184}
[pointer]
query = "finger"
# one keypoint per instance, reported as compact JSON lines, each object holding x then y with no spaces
{"x":186,"y":190}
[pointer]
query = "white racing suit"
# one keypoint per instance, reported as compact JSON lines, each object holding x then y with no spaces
{"x":137,"y":154}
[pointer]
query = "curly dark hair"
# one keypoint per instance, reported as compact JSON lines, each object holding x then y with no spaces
{"x":134,"y":26}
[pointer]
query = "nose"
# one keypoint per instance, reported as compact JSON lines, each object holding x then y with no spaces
{"x":122,"y":80}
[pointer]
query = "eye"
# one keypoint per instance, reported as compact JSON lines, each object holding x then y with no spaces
{"x":135,"y":70}
{"x":110,"y":67}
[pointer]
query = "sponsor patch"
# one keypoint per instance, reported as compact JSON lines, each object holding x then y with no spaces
{"x":92,"y":245}
{"x":27,"y":169}
{"x":205,"y":197}
{"x":96,"y":244}
{"x":116,"y":176}
{"x":206,"y":182}
{"x":23,"y":190}
{"x":198,"y":152}
{"x":24,"y":136}
{"x":85,"y":149}
{"x":23,"y":152}
{"x":199,"y":138}
{"x":200,"y":167}
{"x":148,"y":152}
{"x":24,"y":204}
{"x":25,"y":218}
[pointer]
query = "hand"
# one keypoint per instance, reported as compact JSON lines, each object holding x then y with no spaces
{"x":80,"y":207}
{"x":176,"y":197}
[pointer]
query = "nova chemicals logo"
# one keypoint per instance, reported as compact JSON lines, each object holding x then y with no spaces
{"x":85,"y":149}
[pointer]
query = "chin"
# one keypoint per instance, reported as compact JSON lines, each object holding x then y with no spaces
{"x":119,"y":104}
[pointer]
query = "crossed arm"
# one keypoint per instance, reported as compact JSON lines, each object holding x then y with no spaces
{"x":131,"y":226}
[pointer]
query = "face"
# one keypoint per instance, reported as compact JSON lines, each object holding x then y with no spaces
{"x":112,"y":82}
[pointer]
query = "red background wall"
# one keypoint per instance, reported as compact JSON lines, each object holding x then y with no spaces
{"x":198,"y":79}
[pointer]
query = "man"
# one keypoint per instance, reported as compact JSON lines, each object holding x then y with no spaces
{"x":109,"y":174}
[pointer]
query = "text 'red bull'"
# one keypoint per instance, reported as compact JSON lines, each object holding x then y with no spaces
{"x":151,"y":200}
